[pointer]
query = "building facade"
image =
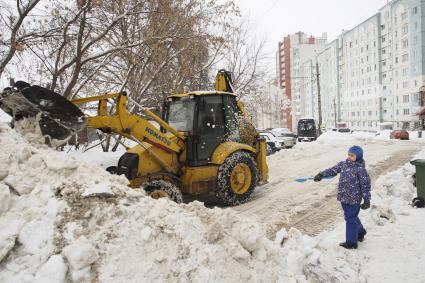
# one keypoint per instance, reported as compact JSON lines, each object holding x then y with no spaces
{"x":293,"y":51}
{"x":266,"y":109}
{"x":370,"y":75}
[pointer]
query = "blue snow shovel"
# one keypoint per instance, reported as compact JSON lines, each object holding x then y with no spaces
{"x":303,"y":180}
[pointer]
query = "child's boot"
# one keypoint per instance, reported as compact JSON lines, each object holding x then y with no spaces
{"x":348,"y":245}
{"x":361,"y":235}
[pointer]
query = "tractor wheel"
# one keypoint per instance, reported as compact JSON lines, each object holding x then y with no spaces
{"x":163,"y":189}
{"x":237,"y":178}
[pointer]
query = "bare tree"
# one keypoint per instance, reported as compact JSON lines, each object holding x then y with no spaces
{"x":245,"y":59}
{"x":13,"y":35}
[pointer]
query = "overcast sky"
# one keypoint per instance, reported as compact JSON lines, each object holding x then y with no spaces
{"x":276,"y":18}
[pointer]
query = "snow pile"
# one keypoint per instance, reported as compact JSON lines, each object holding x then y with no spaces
{"x":393,"y":250}
{"x":363,"y":135}
{"x":383,"y":135}
{"x":35,"y":182}
{"x":62,"y":221}
{"x":334,"y":137}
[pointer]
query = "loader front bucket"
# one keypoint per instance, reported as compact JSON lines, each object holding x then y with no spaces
{"x":58,"y":117}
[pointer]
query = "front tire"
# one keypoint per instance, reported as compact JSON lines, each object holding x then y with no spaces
{"x":237,"y":178}
{"x":163,"y":189}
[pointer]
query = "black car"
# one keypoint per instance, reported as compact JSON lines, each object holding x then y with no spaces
{"x":307,"y":129}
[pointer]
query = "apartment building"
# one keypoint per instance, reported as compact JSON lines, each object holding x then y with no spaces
{"x":329,"y":64}
{"x":369,"y":75}
{"x":402,"y":25}
{"x":294,"y":50}
{"x":361,"y":66}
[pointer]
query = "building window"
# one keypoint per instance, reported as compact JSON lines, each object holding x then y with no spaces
{"x":405,"y":98}
{"x":396,"y":60}
{"x":383,"y":51}
{"x":383,"y":39}
{"x":404,"y":16}
{"x":405,"y":72}
{"x":405,"y":43}
{"x":415,"y":10}
{"x":405,"y":58}
{"x":405,"y":29}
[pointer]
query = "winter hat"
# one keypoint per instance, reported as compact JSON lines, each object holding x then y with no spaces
{"x":357,"y":151}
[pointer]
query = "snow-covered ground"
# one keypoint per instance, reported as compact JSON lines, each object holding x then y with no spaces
{"x":63,"y":220}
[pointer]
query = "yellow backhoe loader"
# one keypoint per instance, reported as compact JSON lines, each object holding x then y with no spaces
{"x":204,"y":143}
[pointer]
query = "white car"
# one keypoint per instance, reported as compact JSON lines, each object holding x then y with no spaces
{"x":281,"y":130}
{"x":285,"y":135}
{"x":270,"y":137}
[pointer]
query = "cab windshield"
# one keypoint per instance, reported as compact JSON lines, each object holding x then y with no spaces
{"x":181,"y":113}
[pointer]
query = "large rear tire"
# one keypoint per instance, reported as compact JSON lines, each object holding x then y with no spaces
{"x":163,"y":189}
{"x":237,"y":178}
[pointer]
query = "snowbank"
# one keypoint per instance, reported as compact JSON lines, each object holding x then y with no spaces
{"x":63,"y":220}
{"x":332,"y":137}
{"x":393,"y":250}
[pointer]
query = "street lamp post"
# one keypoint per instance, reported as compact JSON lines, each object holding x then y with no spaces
{"x":422,"y":101}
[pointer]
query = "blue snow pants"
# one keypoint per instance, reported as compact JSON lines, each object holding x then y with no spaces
{"x":353,"y":226}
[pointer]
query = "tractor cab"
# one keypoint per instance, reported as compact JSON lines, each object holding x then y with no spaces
{"x":207,"y":119}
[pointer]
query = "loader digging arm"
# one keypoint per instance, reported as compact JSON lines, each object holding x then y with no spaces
{"x":133,"y":126}
{"x":129,"y":125}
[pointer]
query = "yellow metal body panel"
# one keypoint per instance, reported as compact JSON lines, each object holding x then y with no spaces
{"x":198,"y":180}
{"x":148,"y":165}
{"x":225,"y":149}
{"x":128,"y":125}
{"x":200,"y":93}
{"x":262,"y":161}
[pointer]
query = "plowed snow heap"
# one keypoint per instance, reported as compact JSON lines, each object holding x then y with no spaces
{"x":61,"y":221}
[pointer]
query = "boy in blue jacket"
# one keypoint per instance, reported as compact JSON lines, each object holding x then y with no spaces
{"x":354,"y":185}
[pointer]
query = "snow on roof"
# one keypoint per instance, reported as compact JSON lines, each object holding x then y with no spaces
{"x":310,"y":118}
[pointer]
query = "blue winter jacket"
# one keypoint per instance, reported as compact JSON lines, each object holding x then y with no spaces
{"x":354,"y":181}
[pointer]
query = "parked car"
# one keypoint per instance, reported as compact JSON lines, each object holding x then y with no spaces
{"x":280,"y":130}
{"x":342,"y":130}
{"x":271,"y":138}
{"x":289,"y":138}
{"x":307,"y":129}
{"x":269,"y":149}
{"x":399,"y":135}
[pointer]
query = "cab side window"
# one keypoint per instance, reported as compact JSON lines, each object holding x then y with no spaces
{"x":211,"y":118}
{"x":232,"y":118}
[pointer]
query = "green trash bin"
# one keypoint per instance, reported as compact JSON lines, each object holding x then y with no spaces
{"x":420,"y":182}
